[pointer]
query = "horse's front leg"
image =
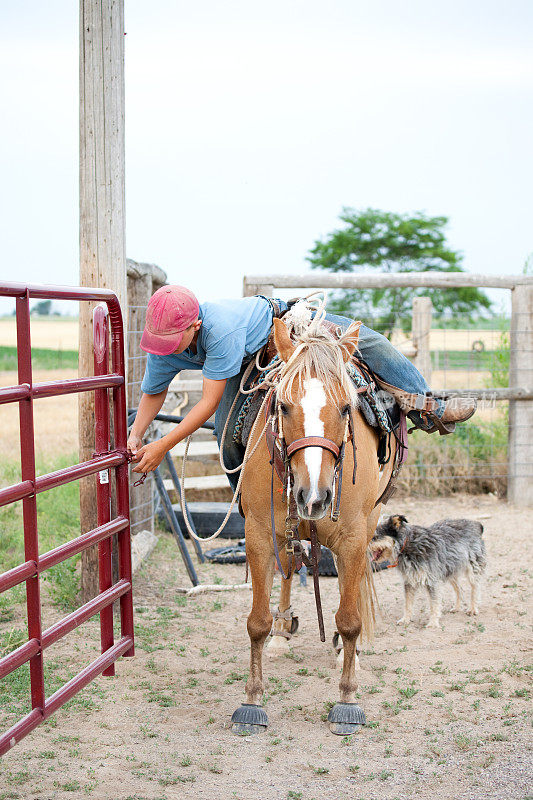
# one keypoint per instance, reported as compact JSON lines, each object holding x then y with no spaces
{"x":250,"y":717}
{"x":285,"y":622}
{"x":346,"y":717}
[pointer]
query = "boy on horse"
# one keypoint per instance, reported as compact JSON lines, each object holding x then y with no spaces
{"x":220,"y":337}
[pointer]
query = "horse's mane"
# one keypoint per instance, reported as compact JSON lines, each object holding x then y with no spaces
{"x":319,"y":354}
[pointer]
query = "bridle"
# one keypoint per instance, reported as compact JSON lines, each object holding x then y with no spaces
{"x":287,"y":451}
{"x":282,"y":465}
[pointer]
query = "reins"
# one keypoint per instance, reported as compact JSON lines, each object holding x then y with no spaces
{"x":296,"y":554}
{"x":281,"y":455}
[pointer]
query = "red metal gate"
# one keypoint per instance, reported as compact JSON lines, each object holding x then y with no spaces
{"x":30,"y":486}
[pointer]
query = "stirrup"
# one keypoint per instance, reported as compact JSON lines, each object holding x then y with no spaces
{"x":437,"y":424}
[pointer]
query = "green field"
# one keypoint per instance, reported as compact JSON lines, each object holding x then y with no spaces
{"x":463,"y":359}
{"x":58,"y":518}
{"x":41,"y":359}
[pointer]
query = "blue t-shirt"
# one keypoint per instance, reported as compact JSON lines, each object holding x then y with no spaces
{"x":230,"y":331}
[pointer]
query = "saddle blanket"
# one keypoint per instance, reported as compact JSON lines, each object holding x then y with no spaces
{"x":377,"y":406}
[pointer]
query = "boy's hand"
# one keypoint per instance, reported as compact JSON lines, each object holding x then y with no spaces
{"x":134,"y":443}
{"x":150,"y":456}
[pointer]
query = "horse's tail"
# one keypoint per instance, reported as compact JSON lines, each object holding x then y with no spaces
{"x":367,"y":602}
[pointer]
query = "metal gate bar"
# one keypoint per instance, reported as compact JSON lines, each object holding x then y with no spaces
{"x":30,"y":486}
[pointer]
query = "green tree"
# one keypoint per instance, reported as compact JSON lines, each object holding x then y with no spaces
{"x":386,"y":242}
{"x":42,"y":308}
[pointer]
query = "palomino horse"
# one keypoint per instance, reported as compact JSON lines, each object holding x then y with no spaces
{"x":313,"y":403}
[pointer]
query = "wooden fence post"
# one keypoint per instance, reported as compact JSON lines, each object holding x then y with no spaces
{"x":249,"y":289}
{"x":421,"y":327}
{"x":520,"y":456}
{"x":102,"y":227}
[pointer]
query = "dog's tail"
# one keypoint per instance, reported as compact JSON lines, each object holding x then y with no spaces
{"x":367,"y":602}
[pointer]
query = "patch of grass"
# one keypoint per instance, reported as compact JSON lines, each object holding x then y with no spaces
{"x":468,"y":459}
{"x":42,"y":358}
{"x":18,"y":778}
{"x":319,"y":770}
{"x":15,"y":694}
{"x":162,"y":700}
{"x":64,"y":584}
{"x":11,"y":639}
{"x":69,"y":786}
{"x":234,"y":676}
{"x":146,"y":636}
{"x":58,"y":520}
{"x":408,"y":692}
{"x":463,"y":742}
{"x":456,"y":686}
{"x":294,"y":656}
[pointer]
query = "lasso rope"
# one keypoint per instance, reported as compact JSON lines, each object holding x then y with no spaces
{"x":318,"y":305}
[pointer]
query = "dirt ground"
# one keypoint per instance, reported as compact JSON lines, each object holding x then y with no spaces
{"x":446,"y":709}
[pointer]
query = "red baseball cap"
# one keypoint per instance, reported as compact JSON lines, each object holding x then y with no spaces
{"x":170,"y":312}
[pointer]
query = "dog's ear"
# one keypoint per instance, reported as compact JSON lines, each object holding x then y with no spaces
{"x":282,"y":340}
{"x":397,"y":521}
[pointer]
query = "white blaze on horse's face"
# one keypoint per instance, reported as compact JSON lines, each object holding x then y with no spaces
{"x":313,"y":502}
{"x":313,"y":402}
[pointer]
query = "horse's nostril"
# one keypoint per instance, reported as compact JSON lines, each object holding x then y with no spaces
{"x":327,"y":498}
{"x":300,"y":497}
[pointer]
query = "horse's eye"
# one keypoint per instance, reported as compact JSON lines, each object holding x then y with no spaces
{"x":283,"y":408}
{"x":346,"y":410}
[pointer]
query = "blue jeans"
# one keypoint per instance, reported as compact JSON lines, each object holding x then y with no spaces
{"x":389,"y":364}
{"x":376,"y":350}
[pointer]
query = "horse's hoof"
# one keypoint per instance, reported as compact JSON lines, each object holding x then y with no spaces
{"x":346,"y":718}
{"x":277,"y":646}
{"x":248,"y":719}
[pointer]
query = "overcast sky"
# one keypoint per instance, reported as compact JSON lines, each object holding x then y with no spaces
{"x":250,"y":125}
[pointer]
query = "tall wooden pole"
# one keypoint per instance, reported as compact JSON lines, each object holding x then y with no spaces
{"x":520,"y":457}
{"x":102,"y":219}
{"x":420,"y":333}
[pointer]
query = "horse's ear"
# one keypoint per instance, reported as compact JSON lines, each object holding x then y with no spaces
{"x":350,"y":340}
{"x":397,"y":521}
{"x":282,"y":340}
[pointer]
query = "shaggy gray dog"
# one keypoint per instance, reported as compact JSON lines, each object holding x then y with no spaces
{"x":431,"y":556}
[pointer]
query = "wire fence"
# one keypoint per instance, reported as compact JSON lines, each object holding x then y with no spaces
{"x":141,"y":497}
{"x":475,"y":457}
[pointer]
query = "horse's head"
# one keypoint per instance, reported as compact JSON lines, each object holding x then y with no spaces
{"x":314,"y":399}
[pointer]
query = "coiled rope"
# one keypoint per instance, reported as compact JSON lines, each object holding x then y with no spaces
{"x":312,"y":302}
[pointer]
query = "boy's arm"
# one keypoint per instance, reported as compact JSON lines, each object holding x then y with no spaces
{"x":152,"y":454}
{"x":149,"y":407}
